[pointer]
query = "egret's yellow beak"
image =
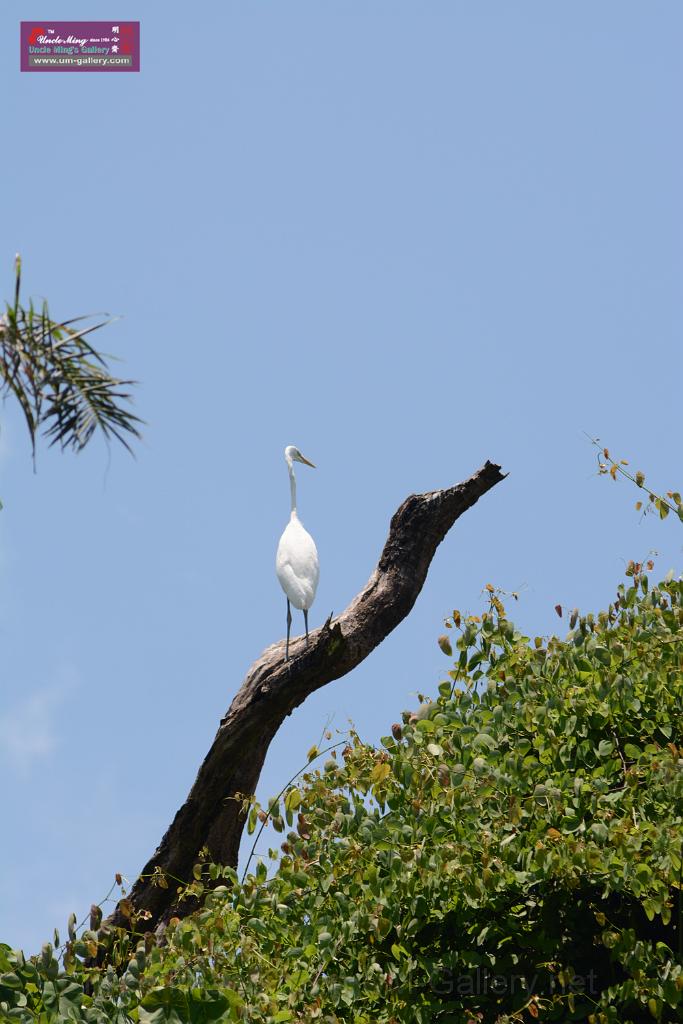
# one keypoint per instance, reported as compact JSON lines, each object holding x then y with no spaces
{"x":312,"y":465}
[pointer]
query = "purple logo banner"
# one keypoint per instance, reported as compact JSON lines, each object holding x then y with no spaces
{"x":80,"y":45}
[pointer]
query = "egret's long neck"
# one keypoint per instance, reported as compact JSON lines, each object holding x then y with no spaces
{"x":292,"y":486}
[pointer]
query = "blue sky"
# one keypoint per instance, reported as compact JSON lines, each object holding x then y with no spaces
{"x":404,"y":237}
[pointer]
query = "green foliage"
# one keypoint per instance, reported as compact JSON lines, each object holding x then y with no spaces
{"x":608,"y":466}
{"x":61,"y":383}
{"x":511,"y":852}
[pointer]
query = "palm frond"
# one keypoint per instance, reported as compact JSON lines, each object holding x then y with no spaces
{"x":62,"y":384}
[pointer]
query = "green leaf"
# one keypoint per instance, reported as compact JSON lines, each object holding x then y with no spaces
{"x":10,"y":980}
{"x":484,"y":741}
{"x":380,"y":772}
{"x":293,"y":799}
{"x":164,"y":1006}
{"x":599,"y":831}
{"x":603,"y":656}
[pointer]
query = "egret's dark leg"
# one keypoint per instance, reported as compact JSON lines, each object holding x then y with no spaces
{"x":289,"y":626}
{"x":306,"y":623}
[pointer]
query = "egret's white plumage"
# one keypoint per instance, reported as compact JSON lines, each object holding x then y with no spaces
{"x":296,"y":562}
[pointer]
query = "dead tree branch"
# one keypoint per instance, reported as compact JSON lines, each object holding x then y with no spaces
{"x":210,"y":817}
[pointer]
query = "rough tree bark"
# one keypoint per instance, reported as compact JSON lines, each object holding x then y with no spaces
{"x":210,"y":817}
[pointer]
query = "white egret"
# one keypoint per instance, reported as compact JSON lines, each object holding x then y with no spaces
{"x":296,"y":562}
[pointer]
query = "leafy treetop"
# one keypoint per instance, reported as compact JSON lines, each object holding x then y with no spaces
{"x":511,"y":852}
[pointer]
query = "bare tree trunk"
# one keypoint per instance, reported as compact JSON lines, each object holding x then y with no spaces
{"x":210,"y":817}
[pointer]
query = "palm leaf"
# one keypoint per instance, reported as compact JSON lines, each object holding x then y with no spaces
{"x":62,"y":383}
